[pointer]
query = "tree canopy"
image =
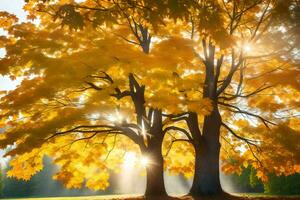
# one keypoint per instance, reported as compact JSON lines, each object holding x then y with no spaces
{"x":102,"y":78}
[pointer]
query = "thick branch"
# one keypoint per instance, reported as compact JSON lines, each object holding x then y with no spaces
{"x":123,"y":130}
{"x":175,"y":128}
{"x":233,"y":69}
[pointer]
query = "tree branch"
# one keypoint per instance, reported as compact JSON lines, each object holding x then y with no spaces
{"x":247,"y":140}
{"x":173,"y":141}
{"x":233,"y":69}
{"x":175,"y":128}
{"x":260,"y":89}
{"x":238,"y":110}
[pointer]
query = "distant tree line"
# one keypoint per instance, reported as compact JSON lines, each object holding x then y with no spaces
{"x":42,"y":184}
{"x":1,"y":182}
{"x":284,"y":185}
{"x":248,"y":182}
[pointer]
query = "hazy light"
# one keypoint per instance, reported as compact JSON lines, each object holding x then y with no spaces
{"x":247,"y":48}
{"x":117,"y":117}
{"x":95,"y":115}
{"x":129,"y":160}
{"x":4,"y":160}
{"x":144,"y":161}
{"x":112,"y":118}
{"x":82,"y":99}
{"x":278,"y":99}
{"x":177,"y":185}
{"x":79,"y":1}
{"x":130,"y":179}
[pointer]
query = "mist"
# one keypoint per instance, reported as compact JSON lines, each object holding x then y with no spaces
{"x":129,"y":181}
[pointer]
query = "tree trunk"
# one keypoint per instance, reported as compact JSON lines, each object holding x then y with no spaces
{"x":196,"y":180}
{"x":155,"y":168}
{"x":207,"y":175}
{"x":155,"y":176}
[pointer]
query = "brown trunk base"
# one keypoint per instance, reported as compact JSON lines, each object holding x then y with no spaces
{"x":155,"y":176}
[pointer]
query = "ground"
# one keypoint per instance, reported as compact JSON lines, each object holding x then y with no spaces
{"x":136,"y":197}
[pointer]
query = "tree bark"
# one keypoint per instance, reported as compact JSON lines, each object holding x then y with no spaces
{"x":155,"y":169}
{"x":207,"y":175}
{"x":207,"y":147}
{"x":196,"y":180}
{"x":151,"y":141}
{"x":155,"y":175}
{"x":192,"y":123}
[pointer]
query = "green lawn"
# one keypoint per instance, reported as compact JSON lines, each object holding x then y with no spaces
{"x":104,"y":197}
{"x":266,"y":196}
{"x":252,"y":196}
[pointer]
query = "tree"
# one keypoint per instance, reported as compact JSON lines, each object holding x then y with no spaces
{"x":226,"y":38}
{"x":245,"y":182}
{"x":214,"y":73}
{"x":234,"y":89}
{"x":283,"y":185}
{"x":65,"y":100}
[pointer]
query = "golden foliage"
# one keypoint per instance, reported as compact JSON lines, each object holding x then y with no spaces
{"x":59,"y":59}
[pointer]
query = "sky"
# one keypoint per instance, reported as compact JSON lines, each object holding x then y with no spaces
{"x":15,"y":7}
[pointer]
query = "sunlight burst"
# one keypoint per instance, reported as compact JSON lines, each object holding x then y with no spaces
{"x":247,"y":47}
{"x":144,"y":161}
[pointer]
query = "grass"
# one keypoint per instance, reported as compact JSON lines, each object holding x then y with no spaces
{"x":253,"y":196}
{"x":103,"y":197}
{"x":263,"y":196}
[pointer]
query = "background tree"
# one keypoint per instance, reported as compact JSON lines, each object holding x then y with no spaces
{"x":1,"y":182}
{"x":245,"y":182}
{"x":283,"y":185}
{"x":234,"y":88}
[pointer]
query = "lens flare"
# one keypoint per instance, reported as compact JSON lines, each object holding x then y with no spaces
{"x":247,"y":48}
{"x":144,"y":161}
